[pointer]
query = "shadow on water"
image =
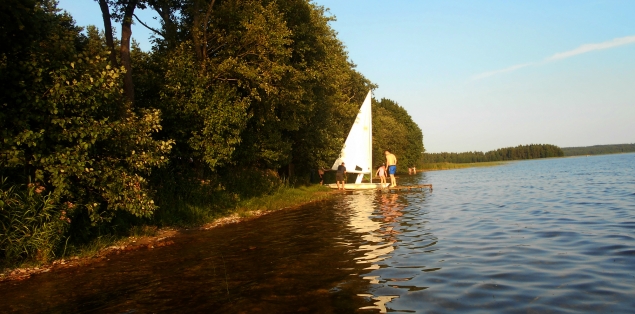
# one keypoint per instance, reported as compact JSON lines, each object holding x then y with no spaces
{"x":310,"y":259}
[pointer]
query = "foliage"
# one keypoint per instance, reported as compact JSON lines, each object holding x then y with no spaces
{"x":60,"y":125}
{"x":276,"y":67}
{"x":185,"y":201}
{"x":520,"y":152}
{"x":204,"y":116}
{"x":325,"y":89}
{"x":394,"y":130}
{"x":30,"y":224}
{"x":599,"y":149}
{"x":284,"y":196}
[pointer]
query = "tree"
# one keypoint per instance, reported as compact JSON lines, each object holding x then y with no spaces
{"x":277,"y":65}
{"x":508,"y":153}
{"x":395,"y":131}
{"x":61,"y":129}
{"x":123,"y":12}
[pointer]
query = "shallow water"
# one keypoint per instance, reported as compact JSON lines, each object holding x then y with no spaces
{"x":545,"y":236}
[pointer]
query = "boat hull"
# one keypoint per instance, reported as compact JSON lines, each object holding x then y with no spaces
{"x":360,"y":186}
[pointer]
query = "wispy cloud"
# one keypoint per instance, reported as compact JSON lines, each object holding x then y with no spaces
{"x":509,"y":69}
{"x":563,"y":55}
{"x":592,"y":47}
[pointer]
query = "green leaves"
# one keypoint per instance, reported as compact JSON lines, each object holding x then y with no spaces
{"x":61,"y":126}
{"x":30,"y":223}
{"x":394,"y":130}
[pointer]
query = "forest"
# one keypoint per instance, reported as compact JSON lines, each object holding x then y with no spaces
{"x":236,"y":99}
{"x":520,"y":152}
{"x":599,"y":149}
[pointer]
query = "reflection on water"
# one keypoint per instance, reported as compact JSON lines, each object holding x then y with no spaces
{"x":380,"y":304}
{"x":543,"y":236}
{"x":374,"y":216}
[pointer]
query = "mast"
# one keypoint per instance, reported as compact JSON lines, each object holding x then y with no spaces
{"x":370,"y":133}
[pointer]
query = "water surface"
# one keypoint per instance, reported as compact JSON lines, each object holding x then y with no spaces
{"x":539,"y":236}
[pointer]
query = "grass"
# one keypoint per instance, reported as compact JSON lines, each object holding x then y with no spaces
{"x":450,"y":166}
{"x":204,"y":209}
{"x":101,"y":242}
{"x":283,"y":198}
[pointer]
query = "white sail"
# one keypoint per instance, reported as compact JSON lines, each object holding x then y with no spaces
{"x":357,"y":152}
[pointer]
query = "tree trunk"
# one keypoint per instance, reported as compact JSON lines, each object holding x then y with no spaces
{"x":170,"y":29}
{"x":105,"y":11}
{"x":199,"y":26}
{"x":126,"y":34}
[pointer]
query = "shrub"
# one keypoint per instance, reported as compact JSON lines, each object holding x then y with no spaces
{"x":31,"y":226}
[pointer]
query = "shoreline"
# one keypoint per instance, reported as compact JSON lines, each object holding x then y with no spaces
{"x":161,"y":237}
{"x":436,"y":166}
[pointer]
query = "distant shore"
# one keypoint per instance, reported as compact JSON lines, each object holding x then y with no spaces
{"x":452,"y":166}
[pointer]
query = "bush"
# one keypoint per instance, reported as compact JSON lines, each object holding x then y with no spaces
{"x":31,"y":226}
{"x":247,"y":183}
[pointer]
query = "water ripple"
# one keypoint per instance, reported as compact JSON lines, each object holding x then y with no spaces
{"x":538,"y":236}
{"x":518,"y":240}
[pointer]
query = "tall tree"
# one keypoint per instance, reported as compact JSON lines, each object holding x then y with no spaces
{"x":110,"y":41}
{"x":123,"y":12}
{"x":407,"y":140}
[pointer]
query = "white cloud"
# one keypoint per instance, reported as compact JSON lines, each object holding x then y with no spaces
{"x":592,"y":47}
{"x":563,"y":55}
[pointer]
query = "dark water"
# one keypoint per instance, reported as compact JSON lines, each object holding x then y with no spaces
{"x":542,"y":236}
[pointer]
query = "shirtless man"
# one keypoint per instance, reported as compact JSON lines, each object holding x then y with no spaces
{"x":391,"y":162}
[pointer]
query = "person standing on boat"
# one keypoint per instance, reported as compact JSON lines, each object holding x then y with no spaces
{"x":340,"y":176}
{"x":391,"y":161}
{"x":381,"y":173}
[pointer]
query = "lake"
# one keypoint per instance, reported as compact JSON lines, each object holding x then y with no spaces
{"x":537,"y":236}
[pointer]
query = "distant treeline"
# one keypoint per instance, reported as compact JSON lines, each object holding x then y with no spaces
{"x":599,"y":149}
{"x":520,"y":152}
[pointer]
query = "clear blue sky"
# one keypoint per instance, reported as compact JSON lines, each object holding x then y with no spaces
{"x":481,"y":75}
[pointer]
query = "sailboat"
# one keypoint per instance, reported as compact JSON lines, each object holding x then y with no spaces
{"x":357,"y":153}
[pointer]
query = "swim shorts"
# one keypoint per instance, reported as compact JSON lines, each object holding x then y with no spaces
{"x":392,"y":169}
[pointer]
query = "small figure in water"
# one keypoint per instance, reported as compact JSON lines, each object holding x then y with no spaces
{"x":391,"y":161}
{"x":340,"y":176}
{"x":381,"y":173}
